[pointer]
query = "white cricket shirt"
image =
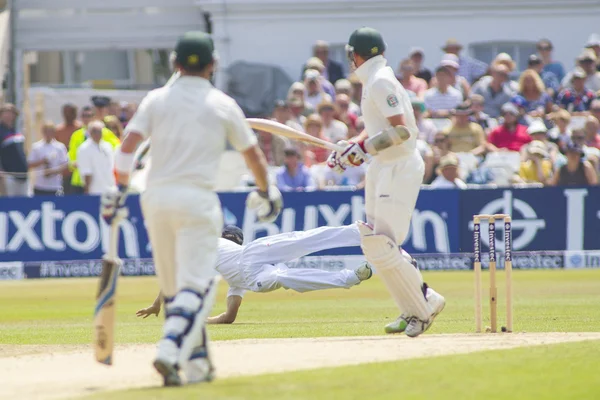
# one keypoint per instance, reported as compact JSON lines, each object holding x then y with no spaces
{"x":189,"y":124}
{"x":228,"y":265}
{"x":382,"y":97}
{"x":96,"y":160}
{"x":56,"y":154}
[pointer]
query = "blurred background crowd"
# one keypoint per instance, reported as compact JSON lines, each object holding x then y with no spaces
{"x":479,"y":125}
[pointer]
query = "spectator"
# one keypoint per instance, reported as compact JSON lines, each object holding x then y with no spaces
{"x":333,"y":129}
{"x":48,"y":158}
{"x":494,"y":90}
{"x":273,"y":146}
{"x":470,"y":68}
{"x":590,"y":154}
{"x":95,"y":160}
{"x":314,"y":94}
{"x":510,"y":135}
{"x":550,"y":80}
{"x":12,"y":153}
{"x":356,"y":89}
{"x":591,"y":128}
{"x":458,"y":82}
{"x":406,"y":76}
{"x":521,"y":104}
{"x":595,"y":109}
{"x":417,"y":56}
{"x":477,"y":114}
{"x":333,"y":70}
{"x":317,"y":65}
{"x":448,"y":174}
{"x":293,"y":175}
{"x":297,"y":89}
{"x":442,"y":99}
{"x":69,"y":124}
{"x":481,"y":175}
{"x":315,"y":154}
{"x":578,"y":98}
{"x":538,"y":132}
{"x":100,"y":106}
{"x":537,"y":168}
{"x":114,"y":109}
{"x":128,"y":113}
{"x":427,"y":129}
{"x":593,"y":44}
{"x":560,"y":133}
{"x":531,"y":87}
{"x":440,"y":148}
{"x":344,"y":86}
{"x":114,"y":125}
{"x":544,"y":48}
{"x":282,"y":114}
{"x":576,"y":172}
{"x":464,"y":136}
{"x":296,"y":106}
{"x":343,"y":108}
{"x":587,"y":62}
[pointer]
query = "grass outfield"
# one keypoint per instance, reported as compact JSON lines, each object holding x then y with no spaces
{"x":565,"y":371}
{"x":60,"y":311}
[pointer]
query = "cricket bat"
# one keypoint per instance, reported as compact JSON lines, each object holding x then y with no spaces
{"x":104,"y":314}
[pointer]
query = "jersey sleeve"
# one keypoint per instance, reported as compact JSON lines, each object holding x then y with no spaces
{"x":239,"y":133}
{"x":388,"y":99}
{"x":140,"y":123}
{"x":235,"y":291}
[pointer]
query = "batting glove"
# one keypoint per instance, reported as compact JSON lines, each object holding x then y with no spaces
{"x":334,"y":162}
{"x":112,"y":204}
{"x":354,"y":155}
{"x":267,"y":204}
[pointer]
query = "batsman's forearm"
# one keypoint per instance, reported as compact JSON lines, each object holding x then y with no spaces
{"x":256,"y":162}
{"x":360,"y":137}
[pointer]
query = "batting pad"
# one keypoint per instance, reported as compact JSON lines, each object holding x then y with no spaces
{"x":403,"y":280}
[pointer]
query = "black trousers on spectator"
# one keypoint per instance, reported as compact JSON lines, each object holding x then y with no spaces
{"x":42,"y":192}
{"x":76,"y":190}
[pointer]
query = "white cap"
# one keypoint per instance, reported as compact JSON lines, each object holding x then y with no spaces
{"x":450,"y":60}
{"x":311,"y":74}
{"x":593,"y":40}
{"x":537,"y":126}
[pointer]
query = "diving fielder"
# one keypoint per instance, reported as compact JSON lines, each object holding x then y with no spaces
{"x":189,"y":123}
{"x":260,"y":266}
{"x":393,"y":180}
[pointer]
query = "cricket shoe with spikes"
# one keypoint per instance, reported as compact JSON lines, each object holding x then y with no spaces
{"x":200,"y":367}
{"x":436,"y":302}
{"x":364,"y":271}
{"x":166,"y":362}
{"x":417,"y":326}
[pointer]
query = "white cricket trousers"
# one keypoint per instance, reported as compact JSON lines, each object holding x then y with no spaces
{"x":263,"y":260}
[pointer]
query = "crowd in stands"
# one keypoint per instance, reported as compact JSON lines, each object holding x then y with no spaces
{"x":478,"y":124}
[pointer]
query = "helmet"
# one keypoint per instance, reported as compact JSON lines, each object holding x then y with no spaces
{"x":195,"y":50}
{"x":233,"y":233}
{"x":366,"y":42}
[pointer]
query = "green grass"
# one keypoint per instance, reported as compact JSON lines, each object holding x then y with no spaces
{"x":59,"y":311}
{"x":565,"y":371}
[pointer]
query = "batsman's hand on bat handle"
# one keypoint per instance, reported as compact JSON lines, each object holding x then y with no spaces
{"x":268,"y":204}
{"x":334,"y":162}
{"x":112,"y":204}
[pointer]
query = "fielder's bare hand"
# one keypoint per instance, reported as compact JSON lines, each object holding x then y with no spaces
{"x":146,"y":312}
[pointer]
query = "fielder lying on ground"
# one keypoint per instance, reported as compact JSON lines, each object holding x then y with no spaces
{"x":260,"y":266}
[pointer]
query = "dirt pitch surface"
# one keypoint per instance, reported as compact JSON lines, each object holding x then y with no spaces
{"x":55,"y":372}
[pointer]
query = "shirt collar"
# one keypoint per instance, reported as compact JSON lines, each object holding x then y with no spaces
{"x":194,"y":80}
{"x":369,"y":67}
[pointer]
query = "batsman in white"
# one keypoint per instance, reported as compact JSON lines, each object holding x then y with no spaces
{"x":393,"y":180}
{"x":260,"y":266}
{"x":189,"y":123}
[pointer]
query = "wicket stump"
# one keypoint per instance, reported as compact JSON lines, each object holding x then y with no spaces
{"x":492,"y":267}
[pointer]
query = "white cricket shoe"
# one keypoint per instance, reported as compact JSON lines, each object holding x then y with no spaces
{"x":364,"y":271}
{"x":401,"y":323}
{"x":166,"y":362}
{"x":200,"y":368}
{"x":415,"y":325}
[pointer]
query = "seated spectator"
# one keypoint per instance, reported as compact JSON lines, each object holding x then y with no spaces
{"x":343,"y":114}
{"x":537,"y":168}
{"x":448,"y":174}
{"x":316,"y":64}
{"x":95,"y":160}
{"x":48,"y":158}
{"x":521,"y":104}
{"x":333,"y":129}
{"x":315,"y":154}
{"x":427,"y":129}
{"x":417,"y":56}
{"x":296,"y":106}
{"x":344,"y":86}
{"x":506,"y":60}
{"x":539,"y":133}
{"x":544,"y":48}
{"x":297,"y":89}
{"x":577,"y":98}
{"x":531,"y":87}
{"x":477,"y":114}
{"x":283,"y":115}
{"x":469,"y":68}
{"x":550,"y":80}
{"x":69,"y":125}
{"x":333,"y":70}
{"x":440,"y":148}
{"x":314,"y":93}
{"x":593,"y":44}
{"x":12,"y":153}
{"x":587,"y":62}
{"x":293,"y":175}
{"x":406,"y":76}
{"x":590,"y":154}
{"x":464,"y":136}
{"x":458,"y":82}
{"x":576,"y":172}
{"x":273,"y":147}
{"x":510,"y":135}
{"x":114,"y":125}
{"x":494,"y":89}
{"x":560,"y":133}
{"x":595,"y":108}
{"x":441,"y":100}
{"x":591,"y":129}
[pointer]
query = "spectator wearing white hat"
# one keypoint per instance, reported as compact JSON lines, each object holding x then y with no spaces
{"x":544,"y":48}
{"x":344,"y":86}
{"x":314,"y":93}
{"x":593,"y":43}
{"x":417,"y":56}
{"x":469,"y":68}
{"x":448,"y":174}
{"x":95,"y":160}
{"x":587,"y":62}
{"x":443,"y":98}
{"x":450,"y":61}
{"x":406,"y":77}
{"x":296,"y":106}
{"x":538,"y":132}
{"x":537,"y":168}
{"x":494,"y":89}
{"x":316,"y":64}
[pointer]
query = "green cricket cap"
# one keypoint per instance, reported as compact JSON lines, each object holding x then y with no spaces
{"x":367,"y":42}
{"x":195,"y":49}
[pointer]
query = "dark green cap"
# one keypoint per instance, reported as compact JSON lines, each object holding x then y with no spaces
{"x":195,"y":50}
{"x":366,"y":42}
